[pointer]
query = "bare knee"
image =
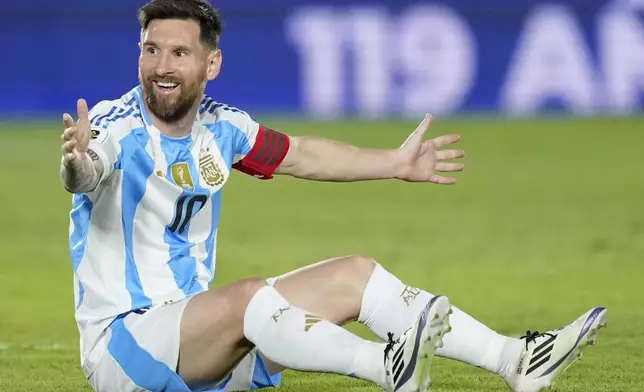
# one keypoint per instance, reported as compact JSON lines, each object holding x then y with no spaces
{"x":348,"y":283}
{"x":356,"y":268}
{"x":247,"y":288}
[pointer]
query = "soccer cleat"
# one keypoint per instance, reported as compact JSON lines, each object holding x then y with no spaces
{"x":408,"y":359}
{"x":549,"y":354}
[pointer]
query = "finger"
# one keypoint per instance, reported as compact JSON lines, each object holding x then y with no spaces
{"x":449,"y":167}
{"x":419,"y":132}
{"x":83,"y":111}
{"x":422,"y":128}
{"x":442,"y":180}
{"x":69,"y":158}
{"x":68,"y":120}
{"x":69,"y":134}
{"x":445,"y":140}
{"x":449,"y":154}
{"x":68,"y":147}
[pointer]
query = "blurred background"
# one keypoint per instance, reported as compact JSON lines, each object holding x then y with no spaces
{"x":546,"y":221}
{"x":347,"y":57}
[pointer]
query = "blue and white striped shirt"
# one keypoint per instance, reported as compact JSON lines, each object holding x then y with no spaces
{"x":147,"y":234}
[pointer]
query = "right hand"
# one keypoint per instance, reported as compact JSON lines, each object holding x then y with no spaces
{"x":75,"y":139}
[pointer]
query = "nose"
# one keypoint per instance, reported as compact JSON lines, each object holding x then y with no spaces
{"x":164,"y":65}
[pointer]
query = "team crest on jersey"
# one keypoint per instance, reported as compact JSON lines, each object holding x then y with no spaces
{"x":181,"y":176}
{"x":210,"y":171}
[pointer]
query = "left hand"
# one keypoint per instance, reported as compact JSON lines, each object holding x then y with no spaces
{"x":421,"y":159}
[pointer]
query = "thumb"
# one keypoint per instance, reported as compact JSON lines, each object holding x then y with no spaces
{"x":422,"y":128}
{"x":420,"y":131}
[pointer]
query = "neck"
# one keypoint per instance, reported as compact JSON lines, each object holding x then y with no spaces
{"x":177,"y":129}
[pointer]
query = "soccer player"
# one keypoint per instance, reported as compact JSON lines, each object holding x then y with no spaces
{"x":146,"y":172}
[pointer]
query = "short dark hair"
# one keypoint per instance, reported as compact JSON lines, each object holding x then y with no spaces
{"x":200,"y":11}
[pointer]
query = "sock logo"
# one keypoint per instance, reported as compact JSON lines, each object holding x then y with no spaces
{"x":541,"y":354}
{"x":310,"y":321}
{"x":409,"y":294}
{"x":278,"y":314}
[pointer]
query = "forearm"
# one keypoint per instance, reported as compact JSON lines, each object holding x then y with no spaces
{"x":81,"y":176}
{"x":328,"y":160}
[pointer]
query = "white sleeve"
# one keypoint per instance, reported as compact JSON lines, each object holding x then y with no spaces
{"x":103,"y":144}
{"x":245,"y":130}
{"x":245,"y":140}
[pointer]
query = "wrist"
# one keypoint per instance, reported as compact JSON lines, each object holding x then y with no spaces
{"x":398,"y":160}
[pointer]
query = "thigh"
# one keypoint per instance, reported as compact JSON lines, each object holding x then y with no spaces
{"x":212,"y":333}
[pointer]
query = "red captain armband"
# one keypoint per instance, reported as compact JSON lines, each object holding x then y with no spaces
{"x":267,"y":153}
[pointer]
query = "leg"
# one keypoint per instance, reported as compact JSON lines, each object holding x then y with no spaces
{"x":220,"y":327}
{"x":358,"y":288}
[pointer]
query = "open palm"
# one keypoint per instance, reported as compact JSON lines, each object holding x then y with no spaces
{"x":75,"y":138}
{"x":423,"y":159}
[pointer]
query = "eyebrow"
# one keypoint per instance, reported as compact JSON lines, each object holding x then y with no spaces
{"x":179,"y":47}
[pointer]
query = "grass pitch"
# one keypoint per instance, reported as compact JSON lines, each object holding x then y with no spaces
{"x":546,"y":222}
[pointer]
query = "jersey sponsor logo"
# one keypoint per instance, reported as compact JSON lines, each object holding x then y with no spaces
{"x":209,"y":170}
{"x":99,"y":135}
{"x":181,"y":176}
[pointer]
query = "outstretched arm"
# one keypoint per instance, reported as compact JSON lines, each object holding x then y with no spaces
{"x":320,"y":159}
{"x":417,"y":160}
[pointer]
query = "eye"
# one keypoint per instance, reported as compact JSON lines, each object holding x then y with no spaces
{"x":180,"y":53}
{"x":151,"y":50}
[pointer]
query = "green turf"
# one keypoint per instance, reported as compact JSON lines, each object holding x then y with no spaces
{"x":546,"y":222}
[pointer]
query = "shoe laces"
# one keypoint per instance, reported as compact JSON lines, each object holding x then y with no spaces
{"x":390,"y":344}
{"x":532,"y":336}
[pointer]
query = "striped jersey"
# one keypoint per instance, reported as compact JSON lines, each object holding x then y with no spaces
{"x":147,"y":234}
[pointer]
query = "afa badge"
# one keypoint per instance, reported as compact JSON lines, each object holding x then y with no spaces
{"x":209,"y":170}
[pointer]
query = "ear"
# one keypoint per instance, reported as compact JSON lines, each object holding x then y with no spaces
{"x":214,"y":64}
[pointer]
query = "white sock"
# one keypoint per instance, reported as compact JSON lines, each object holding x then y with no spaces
{"x":301,"y":341}
{"x":388,"y":305}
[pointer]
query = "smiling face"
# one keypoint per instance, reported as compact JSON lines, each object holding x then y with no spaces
{"x":174,"y":67}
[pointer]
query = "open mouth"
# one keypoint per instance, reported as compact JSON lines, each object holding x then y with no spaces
{"x":166,"y":86}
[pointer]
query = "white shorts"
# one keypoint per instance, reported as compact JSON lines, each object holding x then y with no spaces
{"x":142,"y":351}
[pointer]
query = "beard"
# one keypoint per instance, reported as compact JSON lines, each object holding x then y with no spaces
{"x":171,"y":108}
